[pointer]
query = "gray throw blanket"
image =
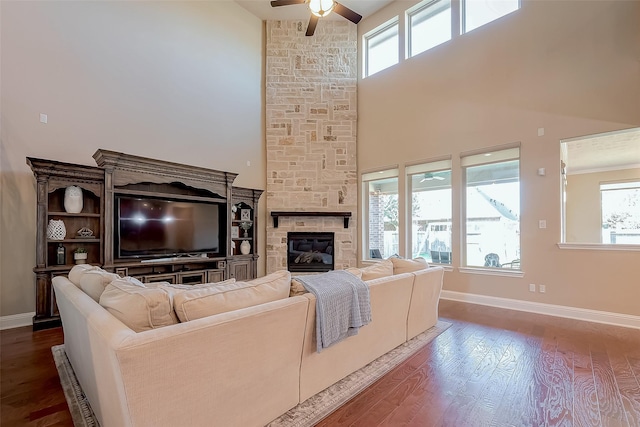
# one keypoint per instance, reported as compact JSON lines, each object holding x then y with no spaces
{"x":342,"y":305}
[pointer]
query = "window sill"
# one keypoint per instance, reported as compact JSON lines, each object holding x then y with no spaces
{"x":599,"y":246}
{"x":491,"y":271}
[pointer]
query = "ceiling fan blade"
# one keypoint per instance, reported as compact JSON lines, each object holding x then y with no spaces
{"x":311,"y":28}
{"x":276,"y":3}
{"x":347,"y":13}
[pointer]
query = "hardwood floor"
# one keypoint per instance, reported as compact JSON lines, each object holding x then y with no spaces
{"x":493,"y":367}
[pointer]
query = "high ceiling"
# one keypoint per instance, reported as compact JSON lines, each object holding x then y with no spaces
{"x":263,"y":10}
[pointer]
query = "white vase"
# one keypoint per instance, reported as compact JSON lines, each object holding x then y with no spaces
{"x":73,"y":199}
{"x":245,"y":247}
{"x":56,"y":230}
{"x":80,"y":258}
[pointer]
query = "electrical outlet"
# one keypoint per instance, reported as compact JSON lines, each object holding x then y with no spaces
{"x":542,"y":289}
{"x":542,"y":223}
{"x":532,"y":287}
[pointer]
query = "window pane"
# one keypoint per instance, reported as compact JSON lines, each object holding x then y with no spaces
{"x":430,"y":26}
{"x":382,"y":50}
{"x":493,"y":215}
{"x":480,"y":12}
{"x":431,"y":216}
{"x":382,"y":218}
{"x":621,"y":213}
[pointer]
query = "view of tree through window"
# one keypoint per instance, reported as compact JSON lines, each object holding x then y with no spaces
{"x":382,"y":214}
{"x":431,"y":211}
{"x":620,"y":212}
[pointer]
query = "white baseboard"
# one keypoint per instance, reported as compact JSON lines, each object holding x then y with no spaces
{"x":618,"y":319}
{"x":16,"y":320}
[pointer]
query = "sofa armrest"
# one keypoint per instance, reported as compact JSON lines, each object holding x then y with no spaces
{"x":423,"y":311}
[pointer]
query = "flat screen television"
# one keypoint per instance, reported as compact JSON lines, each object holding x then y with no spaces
{"x":148,"y":227}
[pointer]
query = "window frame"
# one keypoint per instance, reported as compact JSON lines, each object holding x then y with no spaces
{"x":498,"y":155}
{"x":463,"y":17}
{"x":366,"y":39}
{"x":415,"y":10}
{"x":366,"y":178}
{"x":432,"y":167}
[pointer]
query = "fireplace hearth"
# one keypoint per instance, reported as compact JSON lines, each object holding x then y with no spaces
{"x":310,"y":251}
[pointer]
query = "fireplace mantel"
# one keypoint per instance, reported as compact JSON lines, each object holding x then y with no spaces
{"x":276,"y":214}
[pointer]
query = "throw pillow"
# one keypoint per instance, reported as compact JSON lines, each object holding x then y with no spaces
{"x":198,"y":303}
{"x":401,"y":265}
{"x":382,"y":268}
{"x":93,"y":282}
{"x":297,"y":288}
{"x":140,"y":308}
{"x":78,"y":271}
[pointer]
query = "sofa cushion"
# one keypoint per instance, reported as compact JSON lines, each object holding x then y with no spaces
{"x":380,"y":269}
{"x":139,"y":308}
{"x":355,"y":271}
{"x":401,"y":265}
{"x":93,"y":282}
{"x":203,"y":302}
{"x":78,"y":271}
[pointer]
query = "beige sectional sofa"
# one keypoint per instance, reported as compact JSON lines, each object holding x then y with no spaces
{"x":243,"y":367}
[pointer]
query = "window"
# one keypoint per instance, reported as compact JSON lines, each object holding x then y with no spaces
{"x":492,"y":209}
{"x":380,"y":190}
{"x":600,"y":184}
{"x":381,"y":48}
{"x":430,"y":187}
{"x":429,"y":25}
{"x":476,"y":13}
{"x":620,"y":204}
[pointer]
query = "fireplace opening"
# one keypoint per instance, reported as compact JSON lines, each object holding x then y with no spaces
{"x":310,"y":251}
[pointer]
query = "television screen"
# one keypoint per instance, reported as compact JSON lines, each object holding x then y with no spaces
{"x":160,"y":227}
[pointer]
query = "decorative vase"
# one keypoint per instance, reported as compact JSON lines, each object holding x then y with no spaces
{"x":73,"y":199}
{"x":56,"y":230}
{"x":245,"y":247}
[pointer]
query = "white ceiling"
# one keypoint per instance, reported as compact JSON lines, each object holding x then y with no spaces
{"x":611,"y":151}
{"x":263,"y":10}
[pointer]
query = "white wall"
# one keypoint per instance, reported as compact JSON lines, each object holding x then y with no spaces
{"x":570,"y":67}
{"x":177,"y":81}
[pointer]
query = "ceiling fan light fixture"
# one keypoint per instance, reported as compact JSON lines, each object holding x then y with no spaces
{"x":321,"y":8}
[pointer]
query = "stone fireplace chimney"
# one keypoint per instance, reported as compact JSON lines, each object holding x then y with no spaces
{"x":311,"y":118}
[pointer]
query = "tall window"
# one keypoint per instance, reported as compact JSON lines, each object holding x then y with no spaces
{"x":492,"y":209}
{"x":381,"y":47}
{"x":429,"y":25}
{"x":380,"y":190}
{"x":431,"y":211}
{"x":476,"y":13}
{"x":600,"y":184}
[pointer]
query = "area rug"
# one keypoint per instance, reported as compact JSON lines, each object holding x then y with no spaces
{"x":306,"y":414}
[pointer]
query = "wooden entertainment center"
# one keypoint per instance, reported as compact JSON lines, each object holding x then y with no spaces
{"x":120,"y":175}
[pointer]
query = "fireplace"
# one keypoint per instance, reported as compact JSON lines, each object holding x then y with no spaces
{"x":310,"y":251}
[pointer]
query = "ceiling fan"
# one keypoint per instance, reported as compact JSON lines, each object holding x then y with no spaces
{"x":430,"y":176}
{"x":320,"y":9}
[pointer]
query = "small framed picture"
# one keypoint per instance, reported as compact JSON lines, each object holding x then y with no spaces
{"x":235,"y":231}
{"x":245,"y":214}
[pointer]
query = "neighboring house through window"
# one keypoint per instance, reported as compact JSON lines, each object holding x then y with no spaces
{"x":492,"y":209}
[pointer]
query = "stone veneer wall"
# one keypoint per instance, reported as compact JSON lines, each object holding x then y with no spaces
{"x":311,"y":117}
